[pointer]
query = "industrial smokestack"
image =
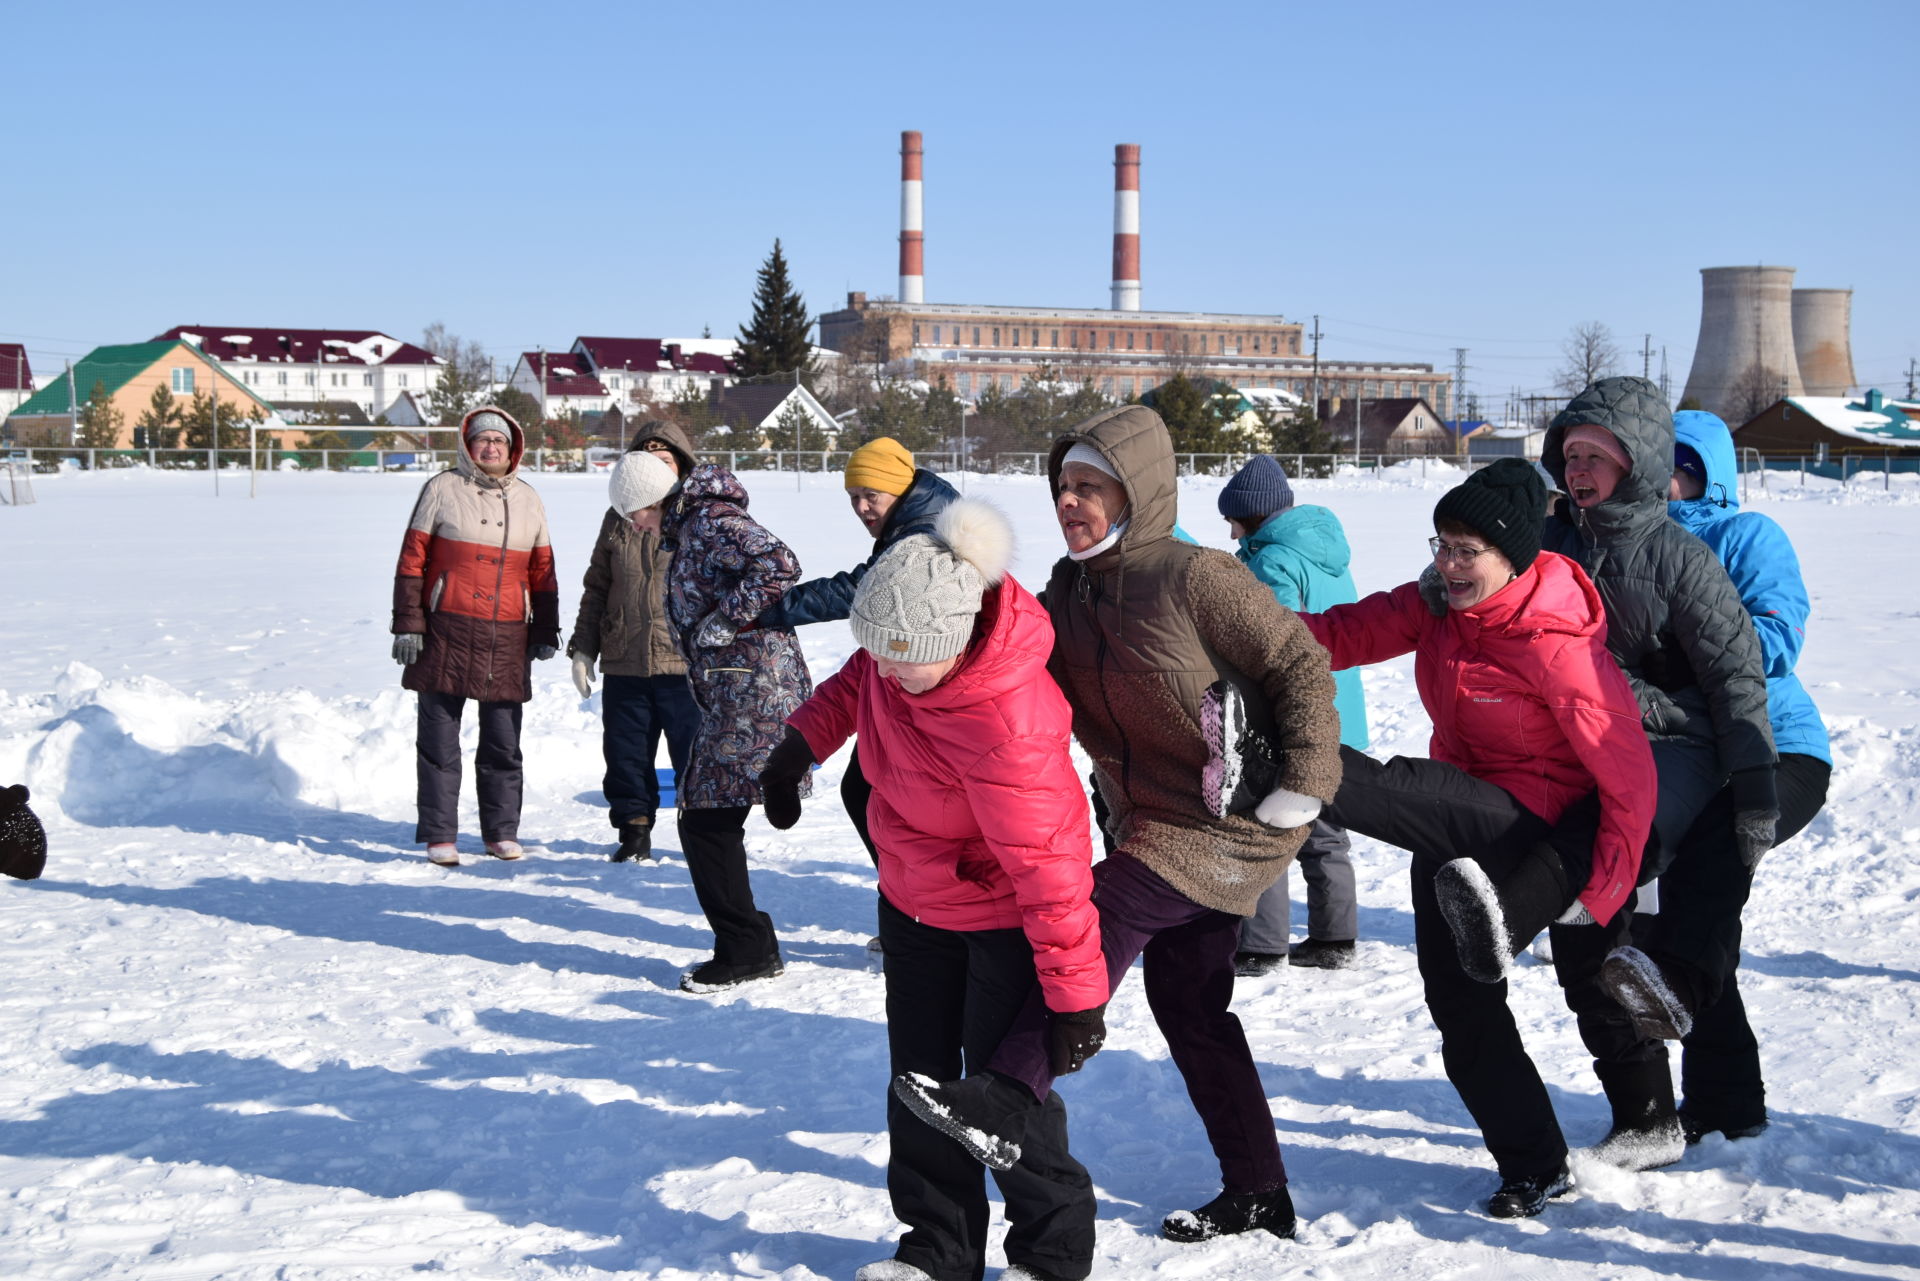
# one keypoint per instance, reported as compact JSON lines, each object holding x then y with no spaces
{"x":1126,"y":227}
{"x":1745,"y":356}
{"x":1821,"y":342}
{"x":913,"y":271}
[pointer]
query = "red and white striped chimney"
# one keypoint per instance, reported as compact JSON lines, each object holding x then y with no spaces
{"x":1126,"y":227}
{"x":913,"y":271}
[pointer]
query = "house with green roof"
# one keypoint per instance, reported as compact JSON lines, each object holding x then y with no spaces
{"x":130,"y":372}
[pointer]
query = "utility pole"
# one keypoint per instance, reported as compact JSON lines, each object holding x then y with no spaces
{"x":1646,"y":356}
{"x":1315,"y":401}
{"x":1913,"y":370}
{"x":73,"y":410}
{"x":1459,"y":383}
{"x":1666,"y":383}
{"x":213,"y":432}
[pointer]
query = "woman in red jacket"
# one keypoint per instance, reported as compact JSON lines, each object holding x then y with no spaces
{"x":985,"y":875}
{"x":1531,"y":718}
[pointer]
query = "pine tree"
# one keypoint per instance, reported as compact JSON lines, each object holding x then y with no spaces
{"x":775,"y":340}
{"x":100,"y":421}
{"x":1302,"y":434}
{"x":159,"y":423}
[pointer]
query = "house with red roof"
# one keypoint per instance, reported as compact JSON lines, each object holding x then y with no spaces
{"x":597,"y":374}
{"x":290,"y":368}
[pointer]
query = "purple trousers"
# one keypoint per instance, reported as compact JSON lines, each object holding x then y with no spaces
{"x":1187,"y":967}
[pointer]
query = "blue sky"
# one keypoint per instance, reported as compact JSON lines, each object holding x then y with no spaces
{"x":1421,"y":176}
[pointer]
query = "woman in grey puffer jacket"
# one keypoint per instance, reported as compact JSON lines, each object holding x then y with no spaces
{"x":1677,"y":627}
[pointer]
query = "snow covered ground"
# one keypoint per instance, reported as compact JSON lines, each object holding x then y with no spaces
{"x":247,"y":1031}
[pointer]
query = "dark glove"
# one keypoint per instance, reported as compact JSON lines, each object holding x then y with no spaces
{"x":1756,"y":812}
{"x":23,"y":842}
{"x":1074,"y":1038}
{"x":1433,"y":590}
{"x":787,"y":765}
{"x":406,"y":648}
{"x":544,"y":652}
{"x":714,"y":632}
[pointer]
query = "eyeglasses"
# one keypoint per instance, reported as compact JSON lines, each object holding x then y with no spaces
{"x":1444,"y":550}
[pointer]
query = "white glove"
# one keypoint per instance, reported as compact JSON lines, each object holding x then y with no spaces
{"x":583,"y":675}
{"x":407,"y":647}
{"x":1575,"y":915}
{"x":713,"y":632}
{"x":1284,"y":809}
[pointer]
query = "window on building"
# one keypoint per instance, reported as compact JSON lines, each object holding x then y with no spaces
{"x":1106,"y":385}
{"x":366,"y":380}
{"x":1073,"y":339}
{"x":966,"y":385}
{"x":1036,"y":337}
{"x":916,"y":335}
{"x":976,"y":335}
{"x":283,"y":378}
{"x":403,"y":380}
{"x":1126,"y":386}
{"x":936,"y":335}
{"x":310,"y":378}
{"x":1129,"y":340}
{"x":1109,"y":345}
{"x":1016,"y":336}
{"x":183,"y":382}
{"x":996,"y":335}
{"x":1149,"y":342}
{"x":1056,"y":339}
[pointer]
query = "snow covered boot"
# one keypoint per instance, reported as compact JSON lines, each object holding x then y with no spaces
{"x":1322,"y":954}
{"x":890,"y":1270}
{"x":1471,"y":908}
{"x":1696,"y":1127}
{"x":986,"y":1113}
{"x":1251,"y":965}
{"x":1633,"y":979}
{"x":1029,"y":1272}
{"x":1646,"y":1131}
{"x":1229,"y":1214}
{"x":717,"y":975}
{"x":636,"y":842}
{"x":507,"y":851}
{"x":1526,"y":1196}
{"x":443,"y":854}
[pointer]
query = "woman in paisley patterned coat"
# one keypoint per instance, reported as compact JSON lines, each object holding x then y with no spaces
{"x":747,"y":680}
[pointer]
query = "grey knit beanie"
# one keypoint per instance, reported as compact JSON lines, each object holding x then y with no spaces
{"x":919,"y":601}
{"x":489,"y":420}
{"x":1257,"y":491}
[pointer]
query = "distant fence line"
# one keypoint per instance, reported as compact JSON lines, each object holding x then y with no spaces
{"x":1754,"y":467}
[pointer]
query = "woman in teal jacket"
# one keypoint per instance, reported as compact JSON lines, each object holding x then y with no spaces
{"x":1301,"y":553}
{"x":1695,"y":937}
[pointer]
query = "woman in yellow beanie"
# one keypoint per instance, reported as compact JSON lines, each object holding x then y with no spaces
{"x":893,"y":499}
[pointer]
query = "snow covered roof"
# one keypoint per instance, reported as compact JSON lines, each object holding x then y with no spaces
{"x":301,"y":346}
{"x":654,"y":355}
{"x":1888,"y":422}
{"x":567,"y":373}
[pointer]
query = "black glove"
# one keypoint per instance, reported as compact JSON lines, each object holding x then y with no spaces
{"x":1433,"y":590}
{"x":1075,"y":1037}
{"x":23,"y":842}
{"x":544,"y":652}
{"x":1756,"y":812}
{"x":787,"y":765}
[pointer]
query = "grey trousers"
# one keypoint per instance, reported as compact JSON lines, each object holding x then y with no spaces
{"x":496,"y":769}
{"x":1332,"y":909}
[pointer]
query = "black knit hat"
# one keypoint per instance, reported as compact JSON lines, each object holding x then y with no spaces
{"x":1257,"y":491}
{"x":1504,"y":503}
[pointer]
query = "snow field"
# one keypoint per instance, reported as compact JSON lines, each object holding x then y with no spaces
{"x":251,"y":1033}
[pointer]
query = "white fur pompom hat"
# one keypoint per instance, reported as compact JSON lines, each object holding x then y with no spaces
{"x":639,"y":480}
{"x":918,"y":602}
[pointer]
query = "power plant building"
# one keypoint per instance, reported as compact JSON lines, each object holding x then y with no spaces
{"x":1762,"y":341}
{"x":1124,"y":351}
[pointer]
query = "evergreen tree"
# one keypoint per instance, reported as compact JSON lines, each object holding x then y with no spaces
{"x":798,"y":429}
{"x":775,"y":340}
{"x":159,"y":423}
{"x":519,"y":406}
{"x":100,"y":421}
{"x":197,"y":420}
{"x":1195,"y":417}
{"x":1302,"y":434}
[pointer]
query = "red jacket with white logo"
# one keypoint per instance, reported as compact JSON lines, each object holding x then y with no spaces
{"x":977,"y":810}
{"x":1524,"y":695}
{"x":476,"y":576}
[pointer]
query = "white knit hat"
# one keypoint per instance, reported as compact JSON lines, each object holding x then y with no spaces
{"x":919,"y":601}
{"x":639,"y":480}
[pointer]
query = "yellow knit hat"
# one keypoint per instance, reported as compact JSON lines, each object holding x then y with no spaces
{"x":883,"y":464}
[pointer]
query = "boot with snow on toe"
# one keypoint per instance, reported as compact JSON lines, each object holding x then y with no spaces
{"x":443,"y":854}
{"x":986,"y":1114}
{"x":1232,"y":1213}
{"x":1635,"y":981}
{"x":1322,"y":954}
{"x":717,"y":975}
{"x":1253,"y":965}
{"x":1029,"y":1272}
{"x":507,"y":851}
{"x":1471,"y":909}
{"x":1646,"y":1132}
{"x":1524,"y":1197}
{"x":1695,"y":1128}
{"x":636,"y":842}
{"x":890,"y":1270}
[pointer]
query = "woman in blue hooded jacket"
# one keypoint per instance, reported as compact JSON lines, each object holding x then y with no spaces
{"x":1695,"y":937}
{"x":1300,"y":551}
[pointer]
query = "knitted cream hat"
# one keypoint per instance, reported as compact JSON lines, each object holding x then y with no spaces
{"x":639,"y":480}
{"x":919,"y":601}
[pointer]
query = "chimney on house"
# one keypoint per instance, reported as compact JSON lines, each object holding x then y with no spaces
{"x":1126,"y":227}
{"x":913,"y":275}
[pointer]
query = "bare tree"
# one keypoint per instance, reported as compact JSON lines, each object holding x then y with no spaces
{"x":1752,"y":394}
{"x":464,"y":381}
{"x":1591,"y":354}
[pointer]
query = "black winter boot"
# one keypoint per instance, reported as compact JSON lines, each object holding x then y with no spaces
{"x":1322,"y":954}
{"x":1229,"y":1214}
{"x":1522,"y":1198}
{"x":1645,"y":991}
{"x":1471,"y":907}
{"x":986,"y":1114}
{"x":1252,"y":965}
{"x":1646,"y":1132}
{"x":636,"y":842}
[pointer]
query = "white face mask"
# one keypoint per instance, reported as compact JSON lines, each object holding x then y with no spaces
{"x":1113,"y":536}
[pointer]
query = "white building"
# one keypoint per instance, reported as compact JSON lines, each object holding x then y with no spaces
{"x":291,"y":367}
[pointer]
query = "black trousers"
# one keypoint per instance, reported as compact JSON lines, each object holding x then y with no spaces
{"x":635,"y":711}
{"x":496,"y":769}
{"x":715,"y":844}
{"x":1439,"y":813}
{"x":951,"y":996}
{"x":1698,"y":929}
{"x":855,"y":791}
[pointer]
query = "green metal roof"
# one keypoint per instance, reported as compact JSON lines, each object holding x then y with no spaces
{"x":115,"y":367}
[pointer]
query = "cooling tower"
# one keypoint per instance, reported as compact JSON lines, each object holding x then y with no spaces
{"x":1821,"y":342}
{"x":1745,"y":353}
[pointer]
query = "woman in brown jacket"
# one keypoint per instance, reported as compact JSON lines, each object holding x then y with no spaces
{"x":623,"y":624}
{"x":474,"y":598}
